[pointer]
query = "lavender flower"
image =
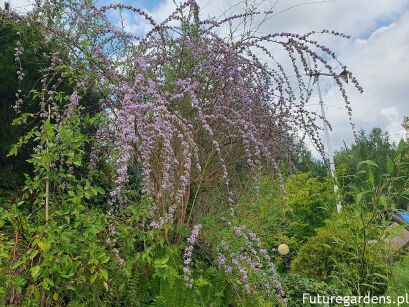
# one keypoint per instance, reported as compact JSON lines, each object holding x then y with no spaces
{"x":188,"y":253}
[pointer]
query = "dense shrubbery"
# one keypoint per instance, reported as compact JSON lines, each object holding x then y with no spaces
{"x":291,"y":215}
{"x":399,"y":281}
{"x":349,"y":251}
{"x":156,"y":169}
{"x":296,"y":285}
{"x":340,"y":256}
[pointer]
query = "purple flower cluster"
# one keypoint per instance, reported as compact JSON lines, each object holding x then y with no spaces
{"x":74,"y":102}
{"x":252,"y":259}
{"x":187,"y":255}
{"x":99,"y":144}
{"x":20,"y":74}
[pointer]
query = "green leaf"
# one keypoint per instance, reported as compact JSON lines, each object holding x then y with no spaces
{"x":33,"y":253}
{"x":93,"y":278}
{"x":371,"y":177}
{"x":43,"y":246}
{"x":389,"y":165}
{"x":22,"y":119}
{"x":35,"y":270}
{"x":367,"y":162}
{"x":104,"y":274}
{"x":47,"y":282}
{"x":100,"y":190}
{"x":383,"y":201}
{"x":401,"y":147}
{"x":161,"y":261}
{"x":13,"y":150}
{"x":360,"y":196}
{"x":104,"y":259}
{"x":201,"y":282}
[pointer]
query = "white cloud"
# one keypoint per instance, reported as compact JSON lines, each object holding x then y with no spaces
{"x":380,"y":63}
{"x":18,"y":5}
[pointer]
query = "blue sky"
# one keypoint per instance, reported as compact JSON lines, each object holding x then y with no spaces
{"x":146,"y":4}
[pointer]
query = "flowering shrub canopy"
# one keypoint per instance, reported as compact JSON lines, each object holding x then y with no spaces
{"x":184,"y":103}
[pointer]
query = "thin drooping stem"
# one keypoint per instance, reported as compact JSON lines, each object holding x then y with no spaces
{"x":47,"y":182}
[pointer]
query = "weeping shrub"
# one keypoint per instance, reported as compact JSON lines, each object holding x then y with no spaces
{"x":183,"y":112}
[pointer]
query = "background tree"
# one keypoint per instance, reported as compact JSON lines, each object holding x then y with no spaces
{"x":13,"y":31}
{"x":375,"y":145}
{"x":34,"y":59}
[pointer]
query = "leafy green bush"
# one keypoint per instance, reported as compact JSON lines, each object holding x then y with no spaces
{"x":311,"y":201}
{"x":340,"y":254}
{"x":56,"y":258}
{"x":389,"y":166}
{"x":289,"y":216}
{"x":398,"y":282}
{"x":55,"y":246}
{"x":296,"y":285}
{"x":349,"y":249}
{"x":265,"y":211}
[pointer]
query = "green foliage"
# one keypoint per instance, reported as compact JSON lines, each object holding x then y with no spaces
{"x":209,"y":290}
{"x":311,"y":201}
{"x":304,"y":162}
{"x":54,"y":259}
{"x":296,"y":285}
{"x":264,"y":210}
{"x":220,"y":237}
{"x":34,"y":63}
{"x":68,"y":260}
{"x":375,"y":146}
{"x":348,"y":250}
{"x":13,"y":168}
{"x":388,"y":160}
{"x":48,"y":259}
{"x":398,"y":282}
{"x":289,"y":215}
{"x":344,"y":252}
